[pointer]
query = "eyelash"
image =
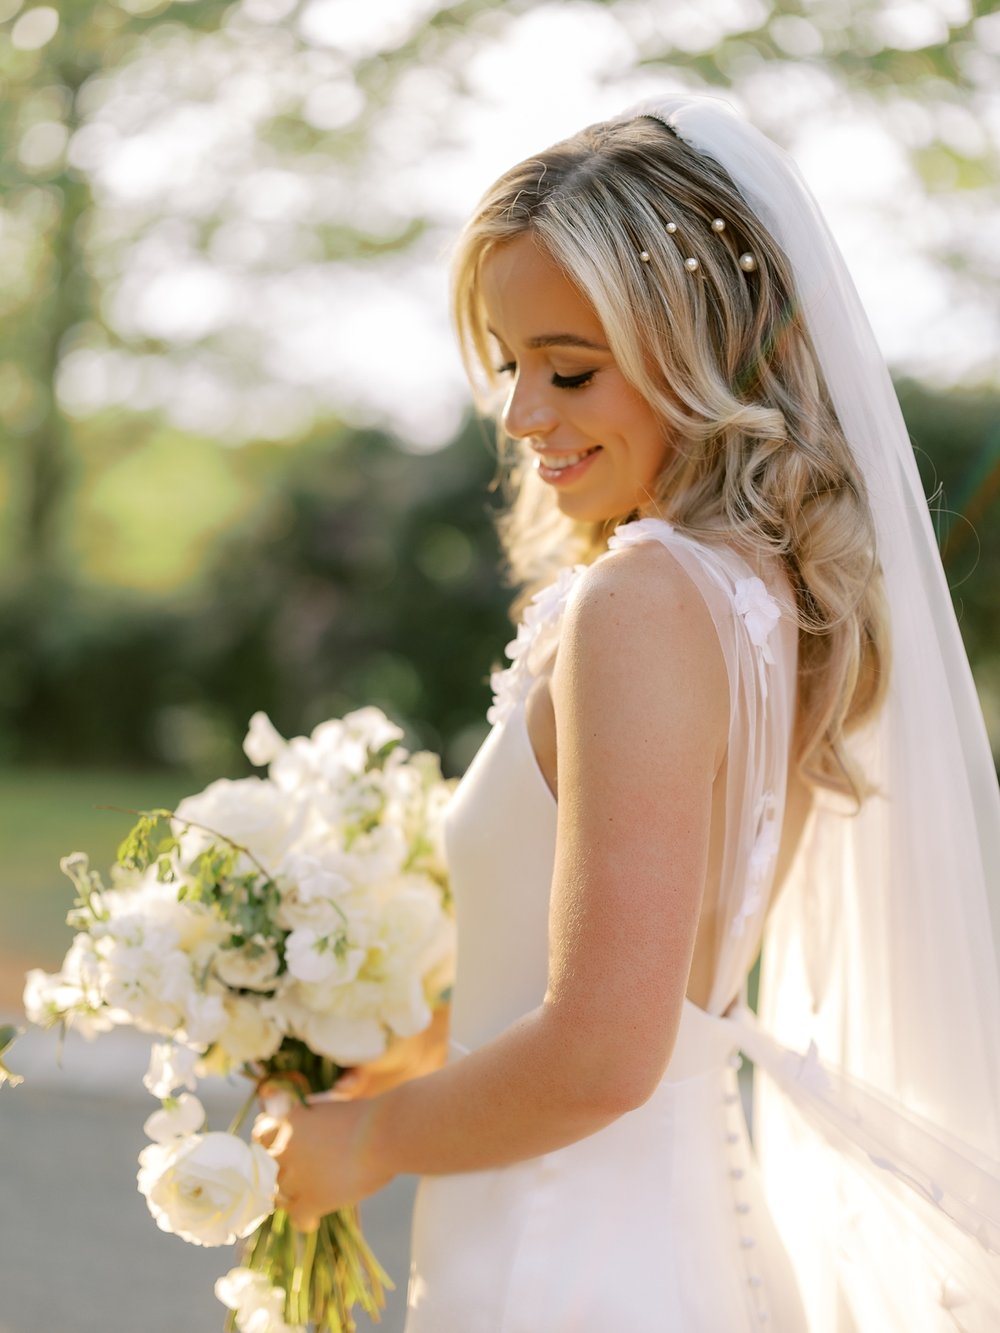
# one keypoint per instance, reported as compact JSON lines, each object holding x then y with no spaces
{"x":559,"y":381}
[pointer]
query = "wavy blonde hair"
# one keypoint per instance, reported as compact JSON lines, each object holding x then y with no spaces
{"x":723,"y":357}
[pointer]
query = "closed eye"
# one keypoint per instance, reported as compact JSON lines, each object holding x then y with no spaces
{"x":559,"y":381}
{"x":572,"y":381}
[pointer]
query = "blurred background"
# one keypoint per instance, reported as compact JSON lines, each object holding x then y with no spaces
{"x":238,"y":469}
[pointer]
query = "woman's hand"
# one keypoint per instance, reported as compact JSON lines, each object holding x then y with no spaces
{"x":406,"y":1058}
{"x":320,"y":1147}
{"x":320,"y":1151}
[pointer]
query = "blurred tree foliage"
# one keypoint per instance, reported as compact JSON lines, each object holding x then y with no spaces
{"x":360,"y":574}
{"x":156,"y":588}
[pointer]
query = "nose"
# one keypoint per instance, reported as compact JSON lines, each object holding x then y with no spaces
{"x":527,"y":411}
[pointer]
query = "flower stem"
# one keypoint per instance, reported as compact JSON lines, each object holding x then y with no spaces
{"x":237,"y":1121}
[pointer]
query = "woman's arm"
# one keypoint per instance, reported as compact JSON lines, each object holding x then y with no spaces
{"x":641,"y":701}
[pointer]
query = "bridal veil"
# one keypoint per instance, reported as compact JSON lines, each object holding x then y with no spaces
{"x":877,"y":1117}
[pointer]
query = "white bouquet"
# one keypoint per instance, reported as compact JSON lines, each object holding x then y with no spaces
{"x":284,"y":928}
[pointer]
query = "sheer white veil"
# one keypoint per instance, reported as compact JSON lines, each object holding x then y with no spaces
{"x":878,"y":1118}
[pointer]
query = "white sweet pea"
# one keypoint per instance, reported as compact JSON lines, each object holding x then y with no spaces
{"x":175,"y":1119}
{"x":314,"y":957}
{"x":760,"y":613}
{"x":311,"y":888}
{"x":209,"y":1189}
{"x":204,"y":1018}
{"x":371,"y":726}
{"x":259,"y":1307}
{"x":51,"y":998}
{"x":170,"y":1067}
{"x":251,"y":966}
{"x":263,"y":743}
{"x":243,"y":1290}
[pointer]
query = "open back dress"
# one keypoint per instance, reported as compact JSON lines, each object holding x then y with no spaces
{"x":658,"y":1222}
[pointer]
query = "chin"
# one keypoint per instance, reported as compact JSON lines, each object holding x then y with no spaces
{"x":588,"y":510}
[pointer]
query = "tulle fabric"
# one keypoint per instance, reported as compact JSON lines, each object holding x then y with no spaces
{"x":878,"y":1117}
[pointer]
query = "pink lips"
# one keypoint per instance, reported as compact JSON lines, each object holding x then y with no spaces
{"x":556,"y":476}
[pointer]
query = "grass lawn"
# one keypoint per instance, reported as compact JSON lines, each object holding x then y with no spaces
{"x":44,"y":814}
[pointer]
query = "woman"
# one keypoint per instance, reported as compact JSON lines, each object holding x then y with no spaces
{"x":724,"y":532}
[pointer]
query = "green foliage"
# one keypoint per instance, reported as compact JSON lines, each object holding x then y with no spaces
{"x":144,"y":843}
{"x":8,"y":1035}
{"x":157,"y":589}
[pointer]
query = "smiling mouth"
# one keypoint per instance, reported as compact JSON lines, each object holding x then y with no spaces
{"x":560,"y":462}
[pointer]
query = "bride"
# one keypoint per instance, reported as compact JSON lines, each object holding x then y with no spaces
{"x":737,"y":710}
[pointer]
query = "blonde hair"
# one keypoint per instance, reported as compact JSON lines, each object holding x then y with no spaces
{"x":723,"y":358}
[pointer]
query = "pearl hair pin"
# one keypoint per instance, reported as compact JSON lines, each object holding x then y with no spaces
{"x":747,"y":261}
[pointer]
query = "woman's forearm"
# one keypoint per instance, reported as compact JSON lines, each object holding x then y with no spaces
{"x":514,"y":1098}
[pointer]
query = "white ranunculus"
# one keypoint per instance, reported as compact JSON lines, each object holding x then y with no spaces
{"x":250,"y":1033}
{"x":251,"y":966}
{"x":170,"y":1067}
{"x":263,"y":743}
{"x":176,"y":1119}
{"x":314,"y":957}
{"x":209,"y":1189}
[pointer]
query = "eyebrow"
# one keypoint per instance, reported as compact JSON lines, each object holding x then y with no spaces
{"x":558,"y":340}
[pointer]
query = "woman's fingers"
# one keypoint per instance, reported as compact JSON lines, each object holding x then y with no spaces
{"x":266,"y":1129}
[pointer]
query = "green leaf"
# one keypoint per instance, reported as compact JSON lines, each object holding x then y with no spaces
{"x":8,"y":1035}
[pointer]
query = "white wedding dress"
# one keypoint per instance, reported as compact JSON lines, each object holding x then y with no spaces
{"x":658,"y":1222}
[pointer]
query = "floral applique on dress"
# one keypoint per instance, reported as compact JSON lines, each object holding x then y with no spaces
{"x":760,"y":612}
{"x":760,"y":862}
{"x":537,"y":637}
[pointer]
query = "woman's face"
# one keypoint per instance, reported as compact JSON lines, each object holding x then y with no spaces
{"x":596,"y":440}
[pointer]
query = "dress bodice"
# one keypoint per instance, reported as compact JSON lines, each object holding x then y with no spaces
{"x":500,"y":828}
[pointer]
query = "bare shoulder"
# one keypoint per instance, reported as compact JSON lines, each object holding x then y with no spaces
{"x":639,"y":638}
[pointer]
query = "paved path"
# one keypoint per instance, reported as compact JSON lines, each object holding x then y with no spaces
{"x":79,"y":1252}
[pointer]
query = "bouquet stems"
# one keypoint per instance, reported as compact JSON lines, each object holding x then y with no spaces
{"x":325,"y":1273}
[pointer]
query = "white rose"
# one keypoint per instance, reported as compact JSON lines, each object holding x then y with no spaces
{"x":170,"y":1067}
{"x":175,"y":1119}
{"x":346,"y":1041}
{"x":209,"y":1189}
{"x":263,"y":743}
{"x":252,"y":966}
{"x":314,"y":957}
{"x":341,"y":1022}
